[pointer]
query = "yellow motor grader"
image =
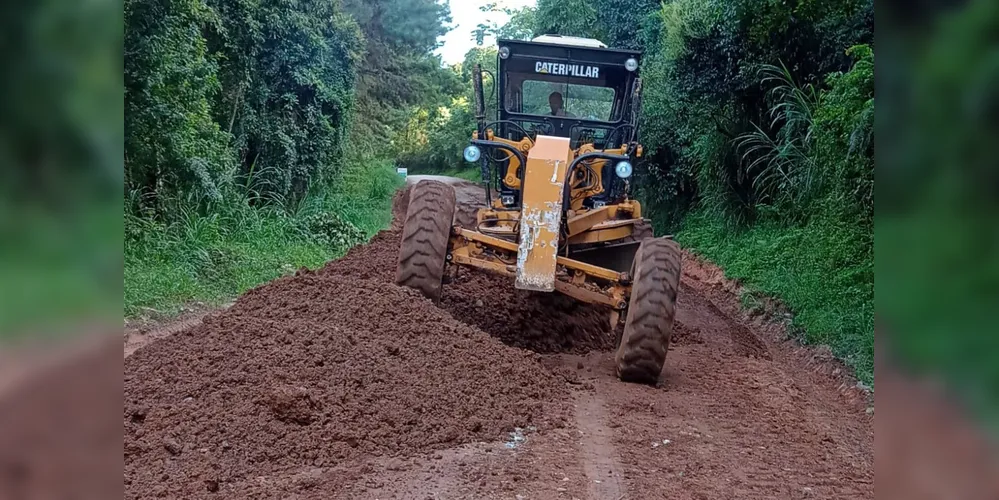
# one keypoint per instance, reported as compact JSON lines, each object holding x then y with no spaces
{"x":556,"y":165}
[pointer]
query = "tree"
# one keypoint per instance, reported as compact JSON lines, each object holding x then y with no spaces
{"x":173,"y":148}
{"x":225,"y":92}
{"x":521,"y":24}
{"x":399,"y":71}
{"x":568,"y":17}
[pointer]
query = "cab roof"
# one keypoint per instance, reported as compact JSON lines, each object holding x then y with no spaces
{"x":573,"y":41}
{"x":557,"y":46}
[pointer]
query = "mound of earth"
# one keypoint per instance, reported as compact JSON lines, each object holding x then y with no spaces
{"x":540,"y":322}
{"x":537,"y":321}
{"x":315,"y":370}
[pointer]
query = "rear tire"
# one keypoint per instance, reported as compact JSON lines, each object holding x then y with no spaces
{"x":642,"y":351}
{"x":641,"y":231}
{"x":425,"y":234}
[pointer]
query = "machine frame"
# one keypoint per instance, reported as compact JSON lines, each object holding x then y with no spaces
{"x":584,"y":244}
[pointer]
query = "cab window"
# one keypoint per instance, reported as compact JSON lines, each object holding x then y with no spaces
{"x":579,"y":101}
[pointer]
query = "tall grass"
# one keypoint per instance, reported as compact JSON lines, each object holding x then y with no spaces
{"x":780,"y":162}
{"x":213,"y":255}
{"x":823,"y":271}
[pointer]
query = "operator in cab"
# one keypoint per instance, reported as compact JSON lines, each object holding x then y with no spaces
{"x":557,"y":105}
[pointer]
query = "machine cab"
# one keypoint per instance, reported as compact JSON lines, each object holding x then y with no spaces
{"x":560,"y":86}
{"x":566,"y":87}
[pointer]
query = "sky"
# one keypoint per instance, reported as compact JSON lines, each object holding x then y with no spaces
{"x":465,"y":17}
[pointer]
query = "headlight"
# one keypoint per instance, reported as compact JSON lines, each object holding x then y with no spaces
{"x":472,"y":153}
{"x":631,"y":64}
{"x":623,"y":169}
{"x":504,"y":52}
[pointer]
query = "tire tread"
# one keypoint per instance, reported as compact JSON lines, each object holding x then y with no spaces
{"x":641,"y":353}
{"x":425,"y":234}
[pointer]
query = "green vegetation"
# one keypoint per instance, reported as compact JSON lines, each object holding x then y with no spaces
{"x":804,"y":266}
{"x":58,"y":269}
{"x":938,"y":278}
{"x":259,"y":135}
{"x":60,"y":149}
{"x":214,"y":258}
{"x":435,"y":135}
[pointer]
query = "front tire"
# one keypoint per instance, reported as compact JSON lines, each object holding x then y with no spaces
{"x":425,"y":235}
{"x":645,"y":341}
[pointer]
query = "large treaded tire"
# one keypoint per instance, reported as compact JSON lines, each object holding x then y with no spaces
{"x":649,"y":324}
{"x":425,"y":234}
{"x":641,"y":232}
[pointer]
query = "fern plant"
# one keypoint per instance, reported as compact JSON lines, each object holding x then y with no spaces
{"x":779,"y":163}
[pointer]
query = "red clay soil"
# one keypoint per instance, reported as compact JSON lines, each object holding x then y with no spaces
{"x":339,"y":384}
{"x":540,"y":322}
{"x":317,"y":370}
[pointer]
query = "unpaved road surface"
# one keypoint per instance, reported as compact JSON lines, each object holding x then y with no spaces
{"x":336,"y":383}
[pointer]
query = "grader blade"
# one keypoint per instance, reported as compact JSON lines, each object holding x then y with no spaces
{"x":541,"y":214}
{"x":617,"y":257}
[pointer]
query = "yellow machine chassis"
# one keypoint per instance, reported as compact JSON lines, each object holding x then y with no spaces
{"x":541,"y":260}
{"x":579,"y":280}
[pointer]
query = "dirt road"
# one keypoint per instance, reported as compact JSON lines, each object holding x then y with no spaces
{"x":338,"y":384}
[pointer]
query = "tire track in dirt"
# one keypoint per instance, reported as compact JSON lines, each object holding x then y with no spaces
{"x":596,"y":449}
{"x":732,"y":421}
{"x":136,"y":339}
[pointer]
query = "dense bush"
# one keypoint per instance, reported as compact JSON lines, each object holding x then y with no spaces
{"x":223,"y":93}
{"x":329,"y":229}
{"x":618,"y":23}
{"x":716,"y":71}
{"x":173,"y":147}
{"x":287,"y":71}
{"x":240,"y":155}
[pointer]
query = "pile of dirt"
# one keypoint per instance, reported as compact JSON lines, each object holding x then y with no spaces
{"x":684,"y":334}
{"x":540,"y":322}
{"x":321,"y":368}
{"x":315,"y":370}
